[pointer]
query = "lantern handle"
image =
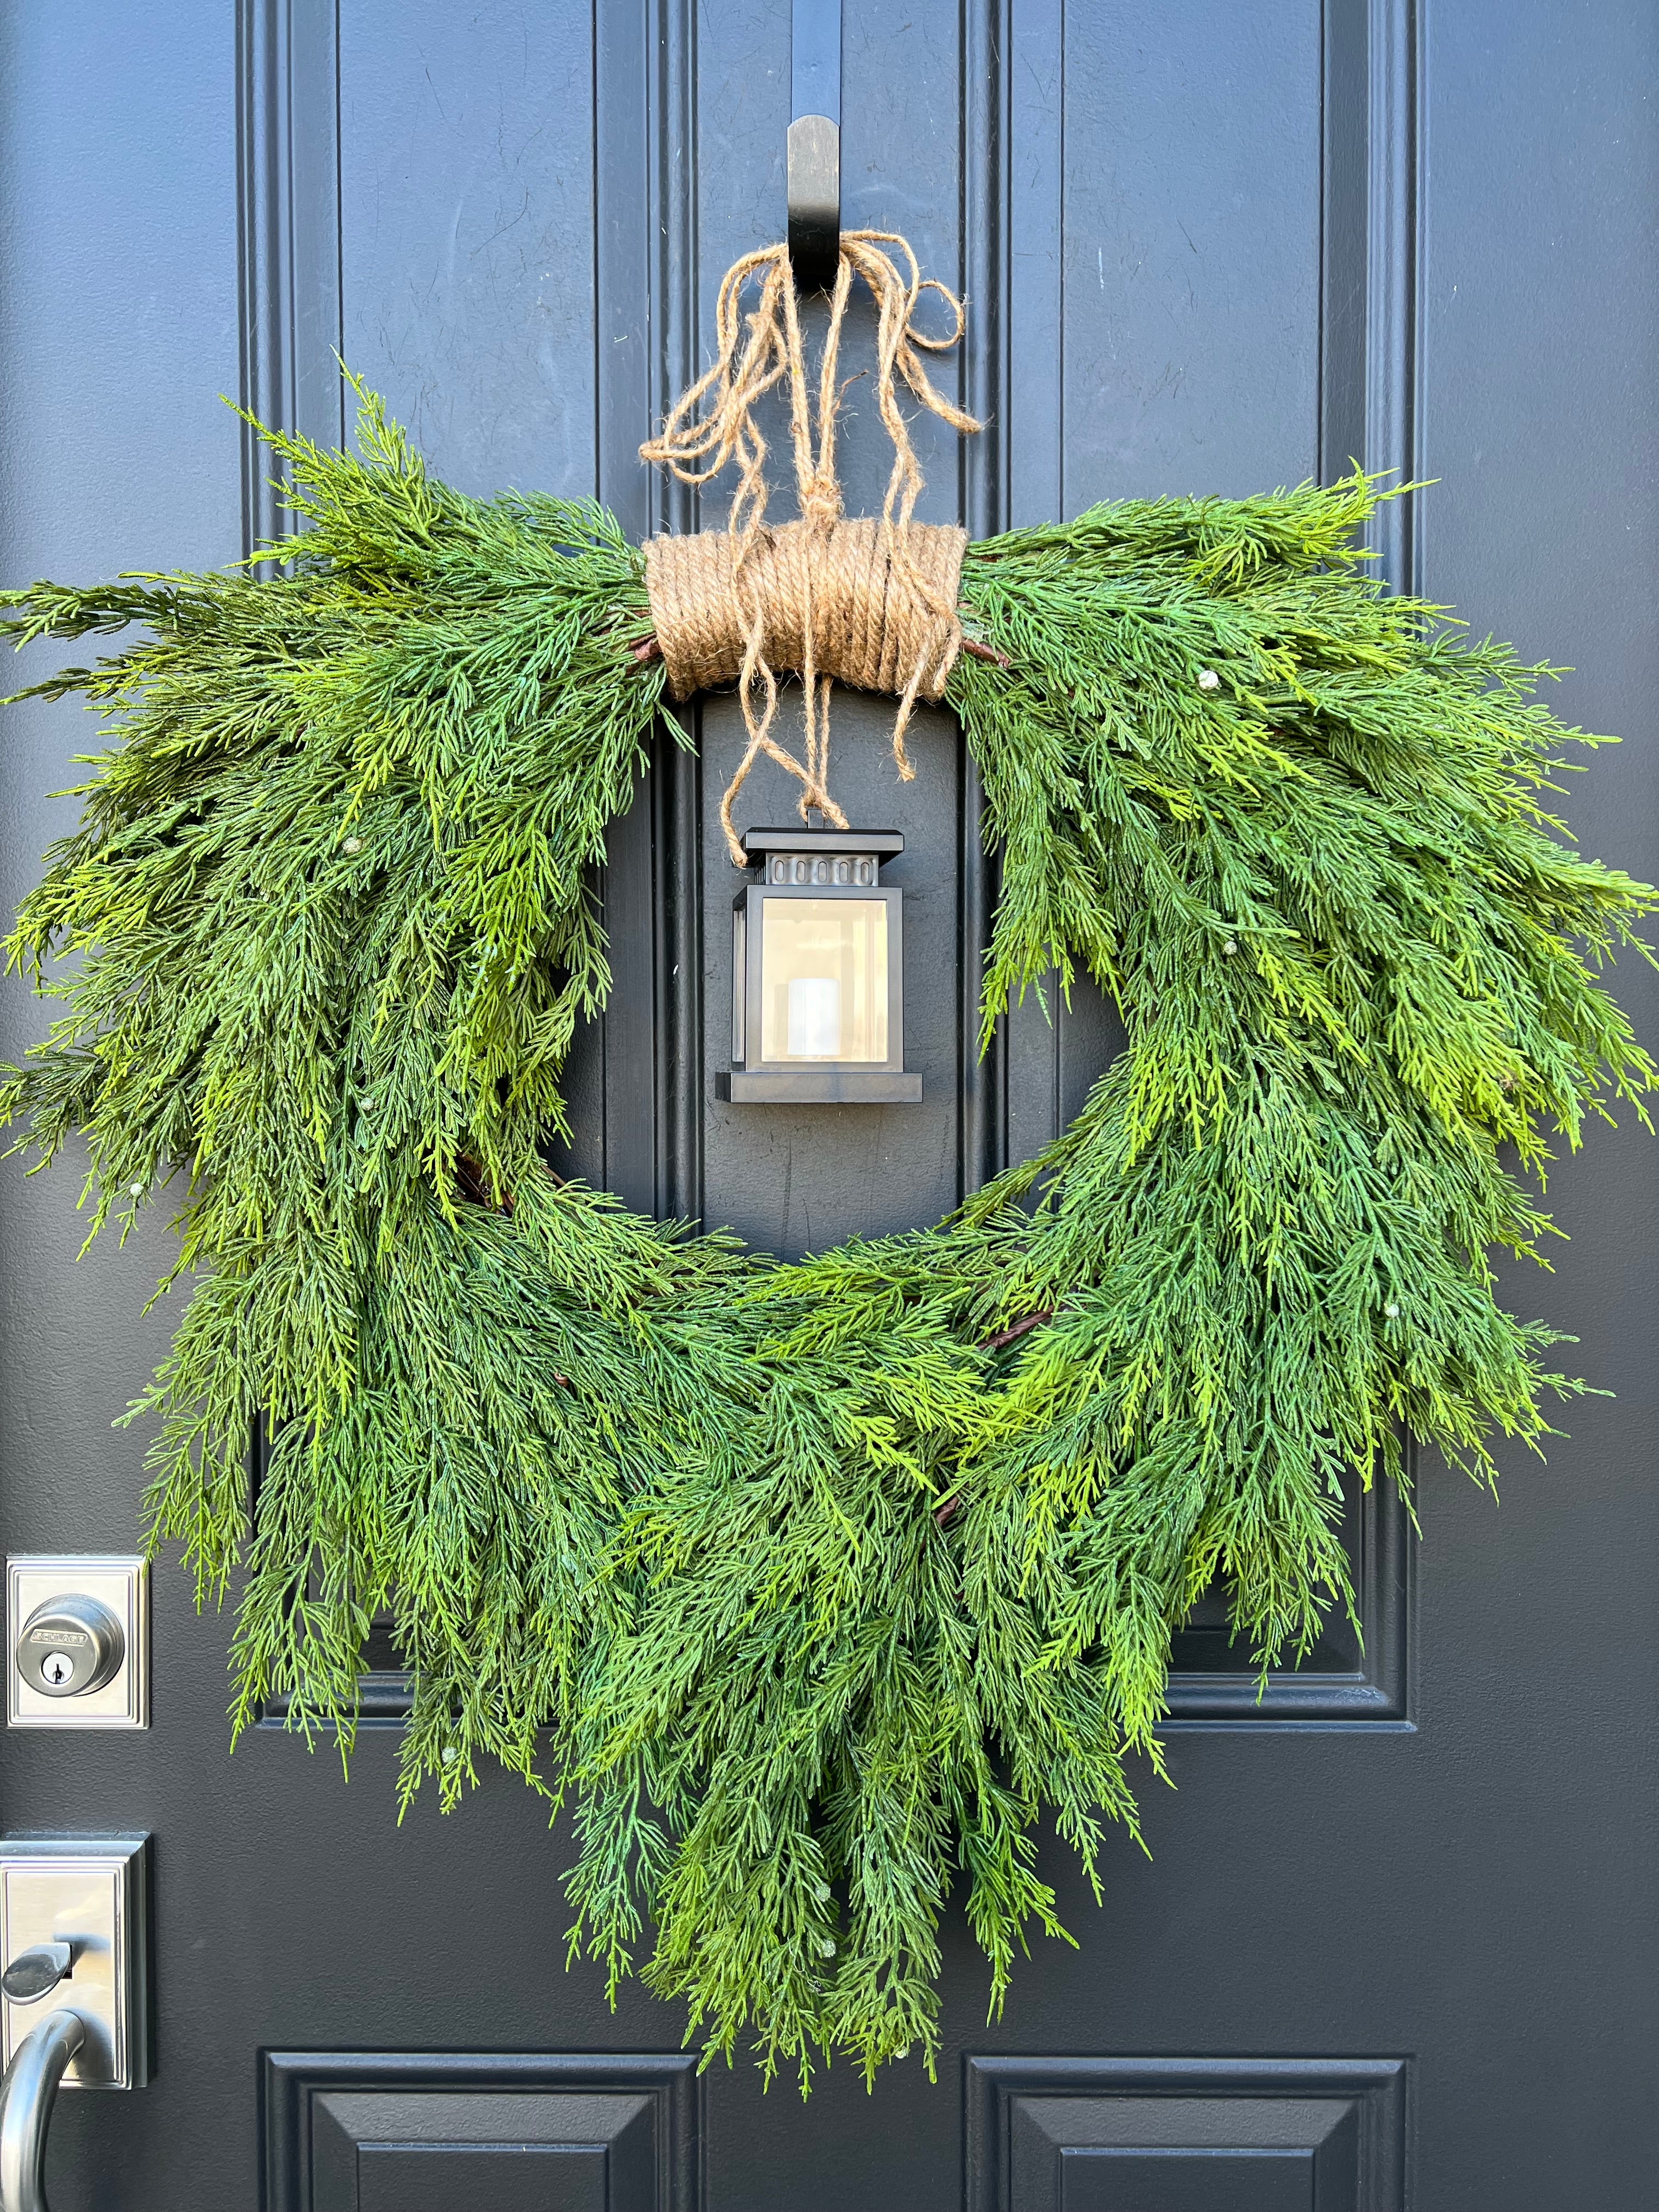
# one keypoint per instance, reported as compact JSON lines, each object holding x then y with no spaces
{"x":814,"y":143}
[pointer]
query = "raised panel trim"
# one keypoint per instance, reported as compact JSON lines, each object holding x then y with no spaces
{"x":646,"y":258}
{"x":288,"y":235}
{"x":987,"y":68}
{"x":1376,"y":2088}
{"x":1376,"y":1694}
{"x":1370,"y":319}
{"x":293,"y":2083}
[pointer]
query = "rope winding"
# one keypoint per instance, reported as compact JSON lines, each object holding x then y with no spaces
{"x":872,"y":603}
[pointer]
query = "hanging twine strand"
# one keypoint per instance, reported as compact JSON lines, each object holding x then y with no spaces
{"x":870,"y":603}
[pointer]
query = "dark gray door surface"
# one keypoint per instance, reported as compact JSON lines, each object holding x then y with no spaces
{"x":1396,"y":1944}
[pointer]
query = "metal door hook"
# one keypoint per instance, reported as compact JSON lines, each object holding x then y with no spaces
{"x":814,"y":143}
{"x":26,"y":2096}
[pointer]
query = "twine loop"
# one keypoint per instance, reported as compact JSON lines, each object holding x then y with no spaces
{"x":870,"y":603}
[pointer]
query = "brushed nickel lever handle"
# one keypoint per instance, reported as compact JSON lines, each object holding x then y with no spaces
{"x":26,"y":2096}
{"x":34,"y":1973}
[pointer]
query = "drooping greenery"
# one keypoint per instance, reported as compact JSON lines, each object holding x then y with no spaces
{"x":830,"y":1580}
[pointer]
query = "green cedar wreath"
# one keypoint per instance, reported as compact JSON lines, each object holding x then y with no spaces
{"x":815,"y":1588}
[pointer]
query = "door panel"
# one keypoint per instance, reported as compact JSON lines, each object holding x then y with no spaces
{"x":430,"y":2132}
{"x":1218,"y":2135}
{"x":1401,"y":1900}
{"x":1190,"y":359}
{"x":466,"y":234}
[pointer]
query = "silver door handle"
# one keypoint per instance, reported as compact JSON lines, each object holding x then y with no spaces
{"x":26,"y":2096}
{"x":36,"y":1973}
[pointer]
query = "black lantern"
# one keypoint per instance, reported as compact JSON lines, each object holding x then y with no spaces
{"x":818,"y":972}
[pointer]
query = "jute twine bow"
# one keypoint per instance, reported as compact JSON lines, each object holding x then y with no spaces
{"x":872,"y":603}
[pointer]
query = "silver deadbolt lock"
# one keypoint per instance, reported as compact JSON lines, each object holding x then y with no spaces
{"x":70,"y":1646}
{"x":76,"y":1643}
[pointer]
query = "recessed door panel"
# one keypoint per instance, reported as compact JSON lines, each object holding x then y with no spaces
{"x":1172,"y":2135}
{"x":384,"y":2132}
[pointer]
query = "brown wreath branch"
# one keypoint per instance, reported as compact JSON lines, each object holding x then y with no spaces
{"x":947,"y":1509}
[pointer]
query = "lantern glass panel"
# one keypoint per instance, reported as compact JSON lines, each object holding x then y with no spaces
{"x":823,"y":979}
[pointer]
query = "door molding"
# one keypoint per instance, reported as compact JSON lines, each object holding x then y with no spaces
{"x":288,"y":238}
{"x":1365,"y":1684}
{"x":1354,"y":2150}
{"x":318,"y":2109}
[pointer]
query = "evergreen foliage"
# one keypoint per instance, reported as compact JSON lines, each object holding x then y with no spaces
{"x":832,"y":1580}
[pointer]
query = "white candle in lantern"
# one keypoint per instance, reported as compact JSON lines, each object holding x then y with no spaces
{"x":814,"y":1018}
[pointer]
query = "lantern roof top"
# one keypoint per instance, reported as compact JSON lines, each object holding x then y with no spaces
{"x":886,"y":843}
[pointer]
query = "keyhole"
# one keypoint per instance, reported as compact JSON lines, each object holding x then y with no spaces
{"x":57,"y":1668}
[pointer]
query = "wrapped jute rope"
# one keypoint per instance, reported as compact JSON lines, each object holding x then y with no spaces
{"x":871,"y":604}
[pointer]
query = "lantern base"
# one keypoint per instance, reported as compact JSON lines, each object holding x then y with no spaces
{"x":819,"y":1086}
